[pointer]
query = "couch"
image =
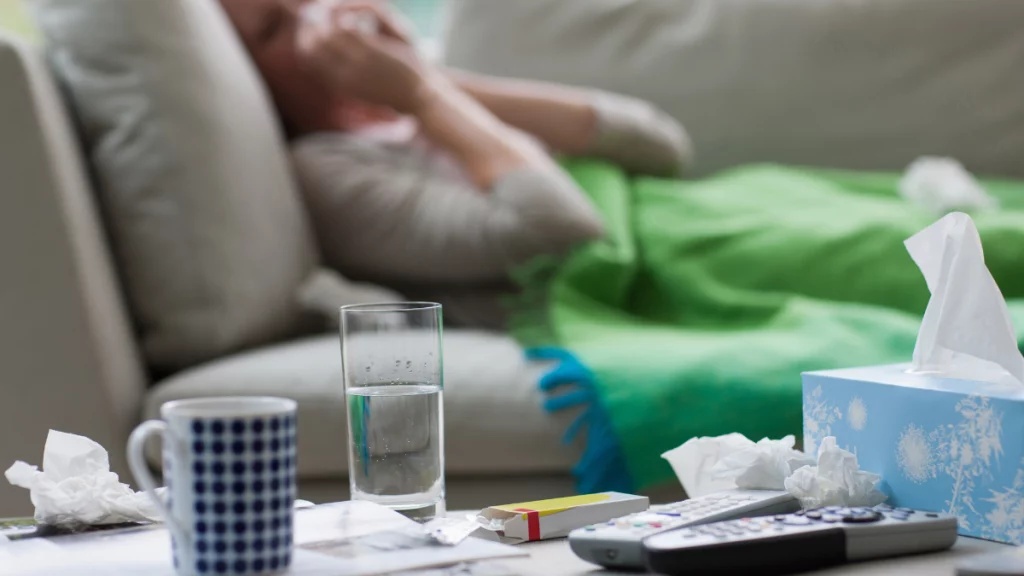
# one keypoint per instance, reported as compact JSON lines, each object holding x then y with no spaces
{"x":864,"y":84}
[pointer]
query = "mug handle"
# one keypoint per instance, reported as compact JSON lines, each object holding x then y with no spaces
{"x":140,"y":468}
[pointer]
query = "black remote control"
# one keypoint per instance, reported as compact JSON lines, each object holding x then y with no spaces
{"x":806,"y":540}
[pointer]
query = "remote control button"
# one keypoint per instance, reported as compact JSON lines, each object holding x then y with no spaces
{"x":844,"y":512}
{"x":796,"y":521}
{"x":883,"y":507}
{"x":612,"y":523}
{"x":590,"y":528}
{"x":831,"y":518}
{"x":800,"y":512}
{"x":754,"y":528}
{"x":670,"y":514}
{"x":832,"y":508}
{"x":814,"y":515}
{"x":858,"y":519}
{"x":932,"y":515}
{"x":648,"y":518}
{"x":905,"y":510}
{"x":780,"y":517}
{"x":688,"y":534}
{"x":655,"y":525}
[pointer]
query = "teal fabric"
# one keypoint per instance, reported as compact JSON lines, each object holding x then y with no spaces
{"x":707,"y":300}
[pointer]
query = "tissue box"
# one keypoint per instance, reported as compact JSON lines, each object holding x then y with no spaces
{"x":940,"y":444}
{"x":554,"y":518}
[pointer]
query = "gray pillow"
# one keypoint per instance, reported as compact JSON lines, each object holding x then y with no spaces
{"x":399,"y":214}
{"x":204,"y":217}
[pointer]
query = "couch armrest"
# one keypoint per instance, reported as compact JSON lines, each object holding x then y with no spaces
{"x":68,"y":359}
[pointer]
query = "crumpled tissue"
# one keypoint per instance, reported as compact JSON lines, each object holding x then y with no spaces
{"x":966,"y":331}
{"x":710,"y":464}
{"x":940,"y":185}
{"x":837,"y":480}
{"x":76,"y":486}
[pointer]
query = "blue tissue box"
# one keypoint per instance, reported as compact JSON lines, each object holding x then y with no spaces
{"x":939,"y":444}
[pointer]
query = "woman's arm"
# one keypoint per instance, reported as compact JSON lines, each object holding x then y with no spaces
{"x":561,"y":117}
{"x":384,"y":69}
{"x":579,"y":121}
{"x":486,"y":148}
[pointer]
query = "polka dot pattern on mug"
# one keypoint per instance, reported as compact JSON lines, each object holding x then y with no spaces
{"x":243,"y":483}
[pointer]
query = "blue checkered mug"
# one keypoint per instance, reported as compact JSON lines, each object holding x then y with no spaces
{"x":229,"y":466}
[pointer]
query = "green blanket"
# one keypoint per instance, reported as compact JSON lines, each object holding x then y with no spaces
{"x":707,"y":300}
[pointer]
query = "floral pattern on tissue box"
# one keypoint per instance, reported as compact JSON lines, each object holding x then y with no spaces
{"x":939,"y":444}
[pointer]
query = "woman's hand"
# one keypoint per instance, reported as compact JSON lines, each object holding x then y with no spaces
{"x":378,"y":68}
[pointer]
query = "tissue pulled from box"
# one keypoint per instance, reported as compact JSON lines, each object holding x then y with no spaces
{"x":943,"y":184}
{"x":712,"y":464}
{"x":76,"y":486}
{"x":966,"y":331}
{"x":836,"y":480}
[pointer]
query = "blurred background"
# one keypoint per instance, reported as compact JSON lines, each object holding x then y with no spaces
{"x":868,"y":85}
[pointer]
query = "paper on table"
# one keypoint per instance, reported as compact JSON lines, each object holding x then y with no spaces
{"x":966,"y":331}
{"x":331,"y":540}
{"x":77,"y":487}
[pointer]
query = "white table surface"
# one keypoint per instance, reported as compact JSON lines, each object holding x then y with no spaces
{"x":554,"y":558}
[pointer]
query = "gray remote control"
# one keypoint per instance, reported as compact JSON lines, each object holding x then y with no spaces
{"x":802,"y":541}
{"x":618,"y":543}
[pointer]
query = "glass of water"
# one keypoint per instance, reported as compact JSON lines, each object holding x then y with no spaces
{"x":392,"y":369}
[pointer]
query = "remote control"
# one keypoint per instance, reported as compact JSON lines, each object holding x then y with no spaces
{"x":617,"y":543}
{"x":806,"y":540}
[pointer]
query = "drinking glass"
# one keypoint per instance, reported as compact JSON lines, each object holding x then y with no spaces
{"x":392,"y":370}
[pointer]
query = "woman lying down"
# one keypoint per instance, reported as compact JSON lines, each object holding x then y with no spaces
{"x":681,"y":308}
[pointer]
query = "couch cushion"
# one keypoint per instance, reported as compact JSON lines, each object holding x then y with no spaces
{"x":864,"y":84}
{"x":494,"y":422}
{"x":204,"y":217}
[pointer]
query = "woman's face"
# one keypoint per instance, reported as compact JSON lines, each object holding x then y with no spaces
{"x":268,"y":29}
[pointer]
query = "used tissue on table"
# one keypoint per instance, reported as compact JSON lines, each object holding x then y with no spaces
{"x":946,"y":431}
{"x":711,"y":464}
{"x":76,"y":486}
{"x":835,"y":479}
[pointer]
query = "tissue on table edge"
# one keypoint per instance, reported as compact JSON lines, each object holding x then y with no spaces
{"x":949,"y":444}
{"x":78,"y":488}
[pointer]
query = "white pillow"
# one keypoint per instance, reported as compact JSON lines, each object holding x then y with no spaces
{"x":204,"y":217}
{"x":868,"y":84}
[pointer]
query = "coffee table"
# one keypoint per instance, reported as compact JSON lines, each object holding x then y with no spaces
{"x":554,"y":558}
